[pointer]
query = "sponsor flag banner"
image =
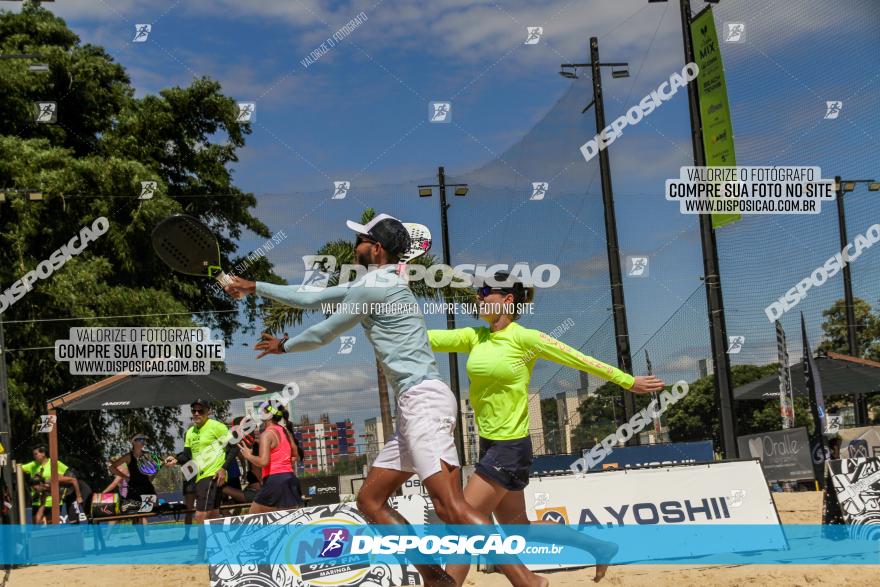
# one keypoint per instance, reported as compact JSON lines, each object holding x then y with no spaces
{"x":786,"y":393}
{"x":785,"y":455}
{"x":714,"y":107}
{"x":813,"y":383}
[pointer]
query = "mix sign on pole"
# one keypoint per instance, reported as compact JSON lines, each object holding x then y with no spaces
{"x":786,"y":395}
{"x":714,"y":108}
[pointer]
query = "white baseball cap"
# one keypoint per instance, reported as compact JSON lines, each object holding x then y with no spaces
{"x":385,"y":230}
{"x":365,"y":228}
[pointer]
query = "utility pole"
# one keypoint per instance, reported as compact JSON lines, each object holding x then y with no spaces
{"x":843,"y":186}
{"x":460,"y":190}
{"x":712,"y":279}
{"x":618,"y":305}
{"x":450,"y":317}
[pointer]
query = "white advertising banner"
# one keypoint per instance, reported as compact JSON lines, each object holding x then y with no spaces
{"x":413,"y":486}
{"x":349,"y":571}
{"x":717,"y":493}
{"x":733,"y":493}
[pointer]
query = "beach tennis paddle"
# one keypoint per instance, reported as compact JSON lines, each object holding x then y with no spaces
{"x":149,"y":463}
{"x":419,"y":244}
{"x":186,"y":245}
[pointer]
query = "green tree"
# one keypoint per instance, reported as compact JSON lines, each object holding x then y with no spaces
{"x":867,"y":329}
{"x":763,"y":415}
{"x":351,"y":465}
{"x":550,"y":422}
{"x":89,"y":165}
{"x":696,"y":416}
{"x":600,"y":414}
{"x":280,"y":316}
{"x":867,"y":338}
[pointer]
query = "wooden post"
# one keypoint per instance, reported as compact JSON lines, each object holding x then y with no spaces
{"x":53,"y":467}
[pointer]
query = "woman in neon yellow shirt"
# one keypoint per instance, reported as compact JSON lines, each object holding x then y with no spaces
{"x":500,"y":362}
{"x":40,"y":472}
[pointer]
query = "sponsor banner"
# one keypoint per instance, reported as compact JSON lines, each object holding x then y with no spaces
{"x":413,"y":486}
{"x":320,"y":490}
{"x":323,"y":534}
{"x":784,"y":454}
{"x":417,"y":509}
{"x":648,"y":455}
{"x":717,"y":494}
{"x":819,"y":450}
{"x":854,"y":491}
{"x":714,"y":107}
{"x":861,"y":442}
{"x":786,"y":392}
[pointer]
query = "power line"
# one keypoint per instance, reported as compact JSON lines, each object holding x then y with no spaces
{"x":119,"y":316}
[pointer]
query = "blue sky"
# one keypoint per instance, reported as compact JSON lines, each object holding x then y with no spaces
{"x":360,"y":114}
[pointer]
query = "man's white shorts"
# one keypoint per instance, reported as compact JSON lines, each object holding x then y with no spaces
{"x":426,"y":416}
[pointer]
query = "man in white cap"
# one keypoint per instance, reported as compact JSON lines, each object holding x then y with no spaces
{"x":426,"y":409}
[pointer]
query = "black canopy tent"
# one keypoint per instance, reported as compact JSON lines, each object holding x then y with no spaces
{"x":126,"y":392}
{"x":840,"y":375}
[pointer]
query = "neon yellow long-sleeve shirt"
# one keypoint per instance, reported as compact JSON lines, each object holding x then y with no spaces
{"x":500,"y":367}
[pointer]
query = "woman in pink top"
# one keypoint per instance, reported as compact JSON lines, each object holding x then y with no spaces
{"x":278,"y":453}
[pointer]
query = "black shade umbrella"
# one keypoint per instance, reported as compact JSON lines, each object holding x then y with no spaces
{"x":125,"y":392}
{"x":840,"y":374}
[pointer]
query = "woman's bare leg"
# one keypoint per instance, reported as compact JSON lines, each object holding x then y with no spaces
{"x":512,"y":510}
{"x":484,"y":497}
{"x":450,"y":505}
{"x":372,"y":501}
{"x":257,"y":508}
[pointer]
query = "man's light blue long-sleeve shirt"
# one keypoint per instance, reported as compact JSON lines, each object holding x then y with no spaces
{"x":381,"y":301}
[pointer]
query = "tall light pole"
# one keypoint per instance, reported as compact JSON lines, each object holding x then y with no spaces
{"x":618,"y":305}
{"x":711,"y":273}
{"x":843,"y":186}
{"x":426,"y":191}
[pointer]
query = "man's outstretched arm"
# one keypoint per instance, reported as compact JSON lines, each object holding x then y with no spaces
{"x":313,"y":337}
{"x":287,"y":294}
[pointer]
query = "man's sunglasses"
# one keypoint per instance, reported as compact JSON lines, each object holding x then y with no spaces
{"x":139,"y":439}
{"x":197,"y":411}
{"x":488,"y":289}
{"x":362,"y":239}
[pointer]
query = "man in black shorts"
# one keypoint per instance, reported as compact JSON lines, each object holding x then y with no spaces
{"x":205,"y":444}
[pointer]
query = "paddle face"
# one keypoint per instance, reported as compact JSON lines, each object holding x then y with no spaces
{"x":187,"y":246}
{"x":420,"y":241}
{"x":149,"y":463}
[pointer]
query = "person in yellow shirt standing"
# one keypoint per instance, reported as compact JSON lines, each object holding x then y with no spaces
{"x":501,"y":358}
{"x":206,"y":445}
{"x":40,"y":473}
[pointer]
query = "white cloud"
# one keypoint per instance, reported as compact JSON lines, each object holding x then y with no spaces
{"x":112,"y":10}
{"x":343,"y":391}
{"x":682,"y":363}
{"x":477,"y":30}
